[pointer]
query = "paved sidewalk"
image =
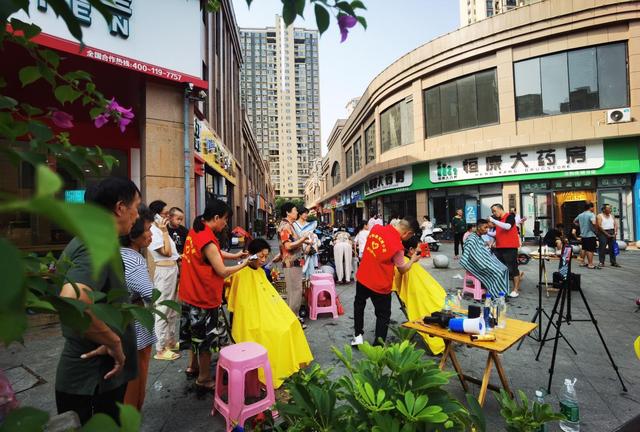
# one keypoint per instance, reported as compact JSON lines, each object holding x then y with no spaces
{"x":170,"y":406}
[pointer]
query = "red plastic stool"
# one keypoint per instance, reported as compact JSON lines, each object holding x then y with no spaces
{"x":241,"y":362}
{"x":475,"y":287}
{"x":318,"y":287}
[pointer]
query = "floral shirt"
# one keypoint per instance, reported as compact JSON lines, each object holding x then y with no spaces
{"x":286,"y":233}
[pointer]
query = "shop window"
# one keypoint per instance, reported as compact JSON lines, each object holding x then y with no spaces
{"x":578,"y":80}
{"x":464,"y":103}
{"x":396,"y":125}
{"x":349,"y":162}
{"x":370,"y":143}
{"x":335,"y":174}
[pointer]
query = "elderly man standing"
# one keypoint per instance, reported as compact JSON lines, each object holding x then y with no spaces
{"x":480,"y":262}
{"x":291,"y":254}
{"x":96,"y":365}
{"x":383,"y":251}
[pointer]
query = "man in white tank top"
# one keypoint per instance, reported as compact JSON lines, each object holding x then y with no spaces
{"x":607,"y":230}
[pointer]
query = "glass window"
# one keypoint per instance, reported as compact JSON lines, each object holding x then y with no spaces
{"x":467,"y":108}
{"x":370,"y":143}
{"x":349,"y":162}
{"x":528,"y":90}
{"x":396,"y":125}
{"x":583,"y":79}
{"x":357,"y":151}
{"x":432,"y":110}
{"x":449,"y":105}
{"x":555,"y":84}
{"x":487,"y":96}
{"x":335,"y":174}
{"x":612,"y":76}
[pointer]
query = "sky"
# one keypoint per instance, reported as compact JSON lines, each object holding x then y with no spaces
{"x":395,"y":27}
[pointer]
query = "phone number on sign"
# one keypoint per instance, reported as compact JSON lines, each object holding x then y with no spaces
{"x":156,"y":71}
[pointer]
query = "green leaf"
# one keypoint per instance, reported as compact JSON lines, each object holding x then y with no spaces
{"x":143,"y":316}
{"x":50,"y":57}
{"x":129,"y":418}
{"x":345,"y":7}
{"x":100,"y":423}
{"x":155,"y":295}
{"x":25,"y":419}
{"x":362,"y":21}
{"x":66,"y":93}
{"x":77,"y":75}
{"x":357,"y":4}
{"x":13,"y":324}
{"x":12,"y":271}
{"x":62,"y":9}
{"x":33,"y":302}
{"x":289,"y":11}
{"x":7,"y":102}
{"x":8,"y":8}
{"x":322,"y":18}
{"x":3,"y":82}
{"x":29,"y":74}
{"x":31,"y":110}
{"x":300,"y":4}
{"x":29,"y":30}
{"x":47,"y":182}
{"x":109,"y":314}
{"x":172,"y":305}
{"x":95,"y":112}
{"x":40,"y":131}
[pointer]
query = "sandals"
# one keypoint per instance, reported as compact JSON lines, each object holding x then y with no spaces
{"x":204,"y":388}
{"x":191,"y":373}
{"x":167,"y":355}
{"x":594,"y":267}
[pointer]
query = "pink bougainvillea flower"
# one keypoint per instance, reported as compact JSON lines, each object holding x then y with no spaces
{"x":345,"y":22}
{"x":123,"y":122}
{"x":62,"y":119}
{"x":101,"y":120}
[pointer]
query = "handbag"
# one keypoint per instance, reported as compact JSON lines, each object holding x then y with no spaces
{"x":615,"y":248}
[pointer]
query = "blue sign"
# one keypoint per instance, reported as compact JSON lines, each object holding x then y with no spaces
{"x":471,"y":213}
{"x":74,"y":196}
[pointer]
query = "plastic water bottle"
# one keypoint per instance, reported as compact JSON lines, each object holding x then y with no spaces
{"x":488,"y":306}
{"x":540,"y":400}
{"x":447,"y":303}
{"x":502,"y":311}
{"x":569,"y":407}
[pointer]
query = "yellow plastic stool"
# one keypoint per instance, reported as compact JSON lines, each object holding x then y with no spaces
{"x":636,"y":346}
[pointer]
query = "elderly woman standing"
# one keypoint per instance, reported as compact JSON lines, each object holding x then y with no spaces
{"x":291,"y":252}
{"x":343,"y":254}
{"x":138,"y":283}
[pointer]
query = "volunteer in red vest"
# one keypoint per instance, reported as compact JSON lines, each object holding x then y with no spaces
{"x":382,"y":252}
{"x":507,"y":244}
{"x":201,"y":283}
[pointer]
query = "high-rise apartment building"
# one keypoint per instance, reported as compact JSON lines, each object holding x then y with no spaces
{"x":477,"y":10}
{"x":281,"y":95}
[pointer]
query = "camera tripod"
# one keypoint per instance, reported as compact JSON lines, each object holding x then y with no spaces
{"x":542,"y":269}
{"x":563,"y":313}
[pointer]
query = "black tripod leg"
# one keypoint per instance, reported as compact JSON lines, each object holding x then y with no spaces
{"x":556,"y":338}
{"x":538,"y":339}
{"x":604,"y":344}
{"x":561,"y":335}
{"x":546,"y":331}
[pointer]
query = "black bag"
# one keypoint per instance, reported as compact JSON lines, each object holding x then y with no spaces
{"x":574,"y":281}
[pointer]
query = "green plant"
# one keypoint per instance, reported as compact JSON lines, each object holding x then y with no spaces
{"x":393,"y":388}
{"x":521,"y":416}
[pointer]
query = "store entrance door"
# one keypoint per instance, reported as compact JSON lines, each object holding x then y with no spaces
{"x":613,"y":197}
{"x":571,"y":209}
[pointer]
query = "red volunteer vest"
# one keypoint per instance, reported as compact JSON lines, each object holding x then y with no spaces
{"x":507,"y":239}
{"x":376,"y":268}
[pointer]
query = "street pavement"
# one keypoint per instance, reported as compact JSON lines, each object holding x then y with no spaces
{"x":171,"y":404}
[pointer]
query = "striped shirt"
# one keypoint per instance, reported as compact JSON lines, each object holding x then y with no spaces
{"x":481,"y":263}
{"x":138,"y":282}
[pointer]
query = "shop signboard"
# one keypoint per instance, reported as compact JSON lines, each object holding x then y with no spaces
{"x":213,"y":151}
{"x":131,"y":39}
{"x":471,"y":212}
{"x":74,"y":196}
{"x":581,"y":156}
{"x":390,"y":180}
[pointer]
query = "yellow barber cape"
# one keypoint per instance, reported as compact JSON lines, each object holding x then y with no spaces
{"x":422,"y":295}
{"x":261,"y":316}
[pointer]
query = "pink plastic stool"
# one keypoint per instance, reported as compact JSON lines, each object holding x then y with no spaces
{"x":318,"y":287}
{"x":240,"y":361}
{"x":475,"y":287}
{"x":322,"y":276}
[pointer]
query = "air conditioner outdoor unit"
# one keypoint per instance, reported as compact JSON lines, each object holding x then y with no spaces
{"x":618,"y":115}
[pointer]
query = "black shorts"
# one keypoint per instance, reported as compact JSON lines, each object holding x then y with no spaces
{"x":202,"y":328}
{"x":589,"y":244}
{"x":509,"y":257}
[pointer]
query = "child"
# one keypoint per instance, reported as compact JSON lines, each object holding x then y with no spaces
{"x":261,"y":316}
{"x":421,"y":293}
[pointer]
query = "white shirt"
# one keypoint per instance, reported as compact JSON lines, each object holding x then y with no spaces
{"x":373,"y":222}
{"x":607,"y":222}
{"x":157,"y":242}
{"x":427,"y":227}
{"x":361,"y":241}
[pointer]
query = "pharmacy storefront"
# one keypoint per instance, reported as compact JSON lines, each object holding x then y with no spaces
{"x":550,"y":183}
